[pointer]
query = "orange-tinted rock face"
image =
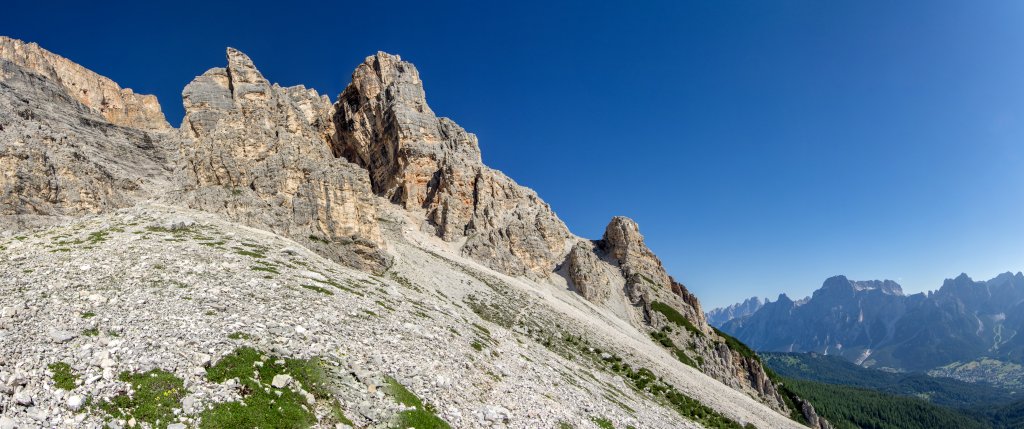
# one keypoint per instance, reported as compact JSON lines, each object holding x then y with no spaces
{"x":431,"y":165}
{"x":258,"y":153}
{"x":118,"y":106}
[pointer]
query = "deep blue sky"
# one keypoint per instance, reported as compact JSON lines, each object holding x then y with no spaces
{"x":762,"y":146}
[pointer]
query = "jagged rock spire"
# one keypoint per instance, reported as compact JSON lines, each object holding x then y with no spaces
{"x":259,"y":154}
{"x":430,"y":164}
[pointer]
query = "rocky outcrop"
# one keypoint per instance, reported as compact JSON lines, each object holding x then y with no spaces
{"x":258,"y":153}
{"x":588,"y":274}
{"x":666,"y":309}
{"x":431,"y":165}
{"x":101,"y":95}
{"x":59,"y":157}
{"x":644,"y":272}
{"x":814,"y":420}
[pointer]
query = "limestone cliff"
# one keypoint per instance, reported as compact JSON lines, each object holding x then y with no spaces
{"x":432,"y":166}
{"x":60,"y":157}
{"x":101,"y":95}
{"x":665,"y":308}
{"x":257,"y":153}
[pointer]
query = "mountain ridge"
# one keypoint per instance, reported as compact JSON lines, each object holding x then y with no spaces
{"x":874,"y":324}
{"x":328,"y":177}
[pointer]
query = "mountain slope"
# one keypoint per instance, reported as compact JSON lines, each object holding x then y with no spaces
{"x":835,"y":370}
{"x":341,"y":242}
{"x":855,"y":408}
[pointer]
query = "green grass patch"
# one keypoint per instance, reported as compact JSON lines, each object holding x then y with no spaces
{"x":91,"y":332}
{"x":663,"y":338}
{"x":398,"y":278}
{"x":156,"y":394}
{"x":88,"y":315}
{"x":239,"y":336}
{"x":63,"y":376}
{"x":249,"y":253}
{"x":602,"y":422}
{"x":263,"y":406}
{"x":265,"y":269}
{"x":675,"y":317}
{"x":482,"y":329}
{"x":339,"y":286}
{"x":642,"y":379}
{"x":422,"y":417}
{"x":478,"y":346}
{"x":318,"y":289}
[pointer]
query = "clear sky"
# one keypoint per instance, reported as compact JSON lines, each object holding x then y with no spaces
{"x":762,"y":146}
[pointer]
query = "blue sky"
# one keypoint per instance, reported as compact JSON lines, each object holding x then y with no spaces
{"x":761,"y":146}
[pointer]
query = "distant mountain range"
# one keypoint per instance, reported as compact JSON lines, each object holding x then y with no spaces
{"x":874,"y":324}
{"x":719,"y":316}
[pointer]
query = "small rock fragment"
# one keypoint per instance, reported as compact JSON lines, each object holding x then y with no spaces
{"x":281,"y":380}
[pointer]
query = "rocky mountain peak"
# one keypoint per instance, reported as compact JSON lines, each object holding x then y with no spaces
{"x":644,"y":273}
{"x":258,"y":153}
{"x":843,"y":285}
{"x":430,"y":165}
{"x":624,"y":242}
{"x":383,"y":119}
{"x":719,"y":316}
{"x":119,"y":106}
{"x":242,"y":71}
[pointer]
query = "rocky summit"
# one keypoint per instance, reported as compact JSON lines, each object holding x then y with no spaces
{"x":282,"y":260}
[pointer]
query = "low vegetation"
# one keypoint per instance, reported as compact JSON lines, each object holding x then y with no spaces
{"x":422,"y":416}
{"x":644,"y":380}
{"x":318,"y":289}
{"x":155,"y":395}
{"x":263,"y":406}
{"x":602,"y":422}
{"x":63,"y":376}
{"x":675,"y":317}
{"x":835,"y":370}
{"x":853,"y":408}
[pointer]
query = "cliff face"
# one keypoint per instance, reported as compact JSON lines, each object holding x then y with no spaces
{"x":99,"y":94}
{"x":621,"y":263}
{"x":257,"y":153}
{"x":60,"y":157}
{"x":432,"y":166}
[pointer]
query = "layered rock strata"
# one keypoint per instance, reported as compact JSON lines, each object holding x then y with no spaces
{"x":119,"y":106}
{"x":432,"y":166}
{"x":258,"y":153}
{"x":60,"y":157}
